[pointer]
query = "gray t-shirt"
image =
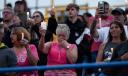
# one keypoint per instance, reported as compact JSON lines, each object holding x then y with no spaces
{"x":108,"y":50}
{"x":7,"y":57}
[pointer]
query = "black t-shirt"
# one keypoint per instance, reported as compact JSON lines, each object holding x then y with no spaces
{"x":76,"y":29}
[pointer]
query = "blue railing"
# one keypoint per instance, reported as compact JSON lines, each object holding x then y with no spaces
{"x":67,"y":66}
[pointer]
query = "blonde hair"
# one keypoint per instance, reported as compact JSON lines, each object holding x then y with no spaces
{"x":19,"y":30}
{"x":63,"y":28}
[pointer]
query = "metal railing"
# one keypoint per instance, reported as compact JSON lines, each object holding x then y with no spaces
{"x":67,"y":66}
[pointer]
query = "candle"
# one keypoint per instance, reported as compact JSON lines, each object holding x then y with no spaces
{"x":28,"y":15}
{"x":100,"y":25}
{"x":112,"y":50}
{"x":22,"y":36}
{"x":44,"y":25}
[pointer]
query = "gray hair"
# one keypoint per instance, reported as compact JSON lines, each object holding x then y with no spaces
{"x":9,"y":8}
{"x":63,"y":28}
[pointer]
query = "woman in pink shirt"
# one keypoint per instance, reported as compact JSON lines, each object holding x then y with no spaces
{"x":26,"y":53}
{"x":60,"y":52}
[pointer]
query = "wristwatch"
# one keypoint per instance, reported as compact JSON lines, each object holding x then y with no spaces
{"x":67,"y":47}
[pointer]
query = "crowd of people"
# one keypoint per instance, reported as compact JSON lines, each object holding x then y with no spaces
{"x":79,"y":39}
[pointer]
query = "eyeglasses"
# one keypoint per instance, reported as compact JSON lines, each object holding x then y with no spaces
{"x":6,"y":12}
{"x":36,"y":16}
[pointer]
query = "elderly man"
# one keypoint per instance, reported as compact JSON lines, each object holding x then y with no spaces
{"x":8,"y":15}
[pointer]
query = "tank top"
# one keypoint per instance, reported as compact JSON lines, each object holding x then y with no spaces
{"x":57,"y":55}
{"x":108,"y":50}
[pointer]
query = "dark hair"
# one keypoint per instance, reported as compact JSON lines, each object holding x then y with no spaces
{"x":41,"y":14}
{"x":106,"y":3}
{"x":122,"y":36}
{"x":19,"y":30}
{"x":9,"y":5}
{"x":87,"y":14}
{"x":23,"y":2}
{"x":72,"y":5}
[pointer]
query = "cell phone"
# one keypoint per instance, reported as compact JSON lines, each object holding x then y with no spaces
{"x":101,"y":7}
{"x":44,"y":25}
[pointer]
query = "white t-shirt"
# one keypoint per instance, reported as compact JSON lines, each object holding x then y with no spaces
{"x":104,"y":31}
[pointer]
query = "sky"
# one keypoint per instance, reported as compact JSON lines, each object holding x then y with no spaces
{"x":43,"y":3}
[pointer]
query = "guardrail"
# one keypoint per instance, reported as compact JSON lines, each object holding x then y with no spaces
{"x":67,"y":66}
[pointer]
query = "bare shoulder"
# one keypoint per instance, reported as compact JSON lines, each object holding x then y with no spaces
{"x":48,"y":44}
{"x":74,"y":46}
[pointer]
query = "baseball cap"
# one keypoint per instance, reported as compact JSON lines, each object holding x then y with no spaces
{"x":118,"y":10}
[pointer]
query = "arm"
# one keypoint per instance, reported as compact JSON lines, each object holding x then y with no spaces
{"x":32,"y":54}
{"x":43,"y":47}
{"x":93,"y":29}
{"x":99,"y":57}
{"x":72,"y":54}
{"x":52,"y":23}
{"x":100,"y":34}
{"x":120,"y":52}
{"x":124,"y":56}
{"x":71,"y":51}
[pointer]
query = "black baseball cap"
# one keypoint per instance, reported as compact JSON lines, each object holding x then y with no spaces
{"x":117,"y":10}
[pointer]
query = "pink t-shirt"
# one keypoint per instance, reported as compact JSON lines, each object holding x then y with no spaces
{"x":22,"y":60}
